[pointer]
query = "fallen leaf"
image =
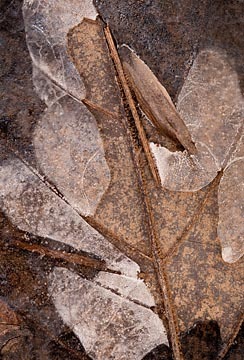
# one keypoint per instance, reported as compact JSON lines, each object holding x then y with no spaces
{"x":163,"y":266}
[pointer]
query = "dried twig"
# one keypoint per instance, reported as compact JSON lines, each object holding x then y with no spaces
{"x":126,"y":89}
{"x":77,"y":259}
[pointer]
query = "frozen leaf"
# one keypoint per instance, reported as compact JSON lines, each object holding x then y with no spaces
{"x":167,"y":238}
{"x":109,"y":326}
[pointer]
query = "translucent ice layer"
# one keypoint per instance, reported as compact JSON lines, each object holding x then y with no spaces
{"x":109,"y":326}
{"x":70,"y":152}
{"x":47,"y":24}
{"x":35,"y":208}
{"x":67,"y":142}
{"x":212,"y":107}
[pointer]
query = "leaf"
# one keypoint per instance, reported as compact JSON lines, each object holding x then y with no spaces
{"x":155,"y":252}
{"x":155,"y":102}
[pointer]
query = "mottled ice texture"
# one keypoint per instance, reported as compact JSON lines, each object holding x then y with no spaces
{"x":180,"y":172}
{"x":46,"y":89}
{"x":212,"y":107}
{"x":132,"y":289}
{"x":47,"y":23}
{"x":109,"y":326}
{"x":70,"y":152}
{"x":33,"y":207}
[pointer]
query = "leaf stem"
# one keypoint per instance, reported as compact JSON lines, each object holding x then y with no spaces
{"x":126,"y":89}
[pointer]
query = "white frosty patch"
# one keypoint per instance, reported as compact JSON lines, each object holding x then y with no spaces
{"x":227,"y":254}
{"x":33,"y":207}
{"x":70,"y":152}
{"x":161,"y":156}
{"x":180,"y":172}
{"x":109,"y":326}
{"x":231,"y":212}
{"x":130,"y":288}
{"x":212,"y":107}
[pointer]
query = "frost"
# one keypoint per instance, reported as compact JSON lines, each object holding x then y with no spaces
{"x":70,"y":152}
{"x":132,"y":289}
{"x":180,"y":172}
{"x":231,"y":212}
{"x":47,"y":24}
{"x":109,"y":326}
{"x":34,"y":208}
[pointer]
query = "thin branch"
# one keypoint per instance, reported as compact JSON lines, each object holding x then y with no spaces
{"x":77,"y":259}
{"x":126,"y":89}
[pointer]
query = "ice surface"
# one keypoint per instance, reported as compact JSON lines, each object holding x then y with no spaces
{"x":212,"y":107}
{"x":47,"y":24}
{"x":33,"y":207}
{"x":70,"y":152}
{"x":109,"y":326}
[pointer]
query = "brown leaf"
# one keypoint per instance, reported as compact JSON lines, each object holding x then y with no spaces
{"x":155,"y":101}
{"x":132,"y":225}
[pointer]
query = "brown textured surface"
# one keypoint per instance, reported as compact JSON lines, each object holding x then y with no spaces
{"x":200,"y":285}
{"x":121,"y":210}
